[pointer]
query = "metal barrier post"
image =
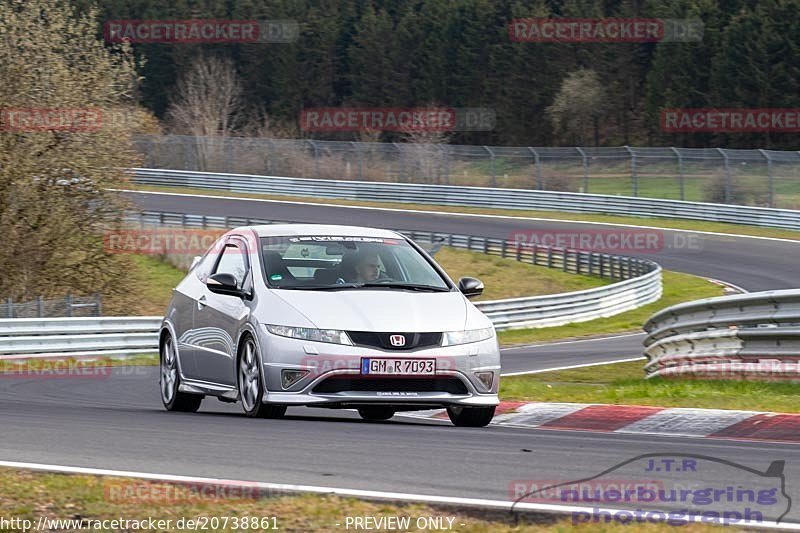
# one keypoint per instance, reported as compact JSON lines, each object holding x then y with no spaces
{"x":728,"y":184}
{"x":771,"y":192}
{"x":634,"y":176}
{"x":585,"y":169}
{"x":491,"y":164}
{"x":538,"y":166}
{"x":681,"y":178}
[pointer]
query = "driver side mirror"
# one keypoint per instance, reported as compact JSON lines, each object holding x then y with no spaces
{"x":223,"y":283}
{"x":470,"y":287}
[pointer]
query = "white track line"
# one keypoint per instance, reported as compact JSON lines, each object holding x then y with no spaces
{"x":570,"y":367}
{"x":353,"y":493}
{"x":574,"y":341}
{"x":455,"y":214}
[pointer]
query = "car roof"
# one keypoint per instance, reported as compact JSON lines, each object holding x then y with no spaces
{"x":293,"y":230}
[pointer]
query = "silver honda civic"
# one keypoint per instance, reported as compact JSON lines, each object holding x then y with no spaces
{"x":327,"y":316}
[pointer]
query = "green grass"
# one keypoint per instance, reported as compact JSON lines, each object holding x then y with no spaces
{"x":509,"y":278}
{"x":624,"y":383}
{"x":678,"y":288}
{"x":154,"y":280}
{"x":30,"y":495}
{"x":684,"y":224}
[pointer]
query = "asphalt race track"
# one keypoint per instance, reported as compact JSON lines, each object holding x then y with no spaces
{"x":117,"y":422}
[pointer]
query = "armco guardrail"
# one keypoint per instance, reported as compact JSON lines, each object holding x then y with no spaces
{"x":85,"y":336}
{"x":472,"y":197}
{"x":767,"y":178}
{"x":744,"y":336}
{"x":640,"y":279}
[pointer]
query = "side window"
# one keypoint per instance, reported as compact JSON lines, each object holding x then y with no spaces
{"x":203,"y":269}
{"x":233,"y":261}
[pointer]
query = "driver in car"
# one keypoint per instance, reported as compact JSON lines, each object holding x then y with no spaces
{"x":367,"y":268}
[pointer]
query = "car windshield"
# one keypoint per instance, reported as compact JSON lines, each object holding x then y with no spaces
{"x":347,"y":262}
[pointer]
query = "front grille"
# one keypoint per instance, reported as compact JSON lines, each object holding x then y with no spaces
{"x":383,"y":342}
{"x":373,"y":384}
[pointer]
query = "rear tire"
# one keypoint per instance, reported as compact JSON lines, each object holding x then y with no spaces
{"x":170,"y":381}
{"x":375,"y":413}
{"x":251,"y":384}
{"x":471,"y":417}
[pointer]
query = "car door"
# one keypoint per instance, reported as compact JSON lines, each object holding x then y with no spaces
{"x":218,"y":318}
{"x":185,"y":299}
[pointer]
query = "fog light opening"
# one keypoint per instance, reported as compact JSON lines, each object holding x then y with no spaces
{"x":290,"y":377}
{"x":486,"y":378}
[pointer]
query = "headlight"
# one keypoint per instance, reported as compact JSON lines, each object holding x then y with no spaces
{"x":451,"y":338}
{"x":334,"y":336}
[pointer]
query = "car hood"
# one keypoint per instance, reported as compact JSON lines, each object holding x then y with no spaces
{"x":379,"y":310}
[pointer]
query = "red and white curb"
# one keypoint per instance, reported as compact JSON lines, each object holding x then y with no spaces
{"x":645,"y":420}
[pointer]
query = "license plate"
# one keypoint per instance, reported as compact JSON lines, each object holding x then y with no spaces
{"x":397,"y":367}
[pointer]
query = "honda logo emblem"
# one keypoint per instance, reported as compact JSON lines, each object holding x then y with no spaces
{"x":397,"y":340}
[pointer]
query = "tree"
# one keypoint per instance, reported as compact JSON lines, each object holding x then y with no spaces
{"x":579,"y":106}
{"x":55,"y":202}
{"x":208,"y":105}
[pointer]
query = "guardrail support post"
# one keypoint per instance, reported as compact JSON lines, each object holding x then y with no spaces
{"x":770,"y":186}
{"x":400,"y":166}
{"x":538,"y":165}
{"x":728,"y":184}
{"x":316,"y":159}
{"x":491,"y":165}
{"x":585,"y":169}
{"x":634,"y":176}
{"x":39,"y":307}
{"x":9,"y":308}
{"x":98,"y":306}
{"x":68,"y":304}
{"x":681,"y":177}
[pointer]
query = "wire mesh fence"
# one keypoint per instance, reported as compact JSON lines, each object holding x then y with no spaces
{"x":68,"y":306}
{"x":742,"y":177}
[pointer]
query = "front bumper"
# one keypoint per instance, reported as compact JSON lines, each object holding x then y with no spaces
{"x":332,"y":363}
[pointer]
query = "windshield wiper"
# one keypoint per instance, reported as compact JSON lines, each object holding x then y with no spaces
{"x":406,"y":286}
{"x":369,"y":285}
{"x":320,"y":287}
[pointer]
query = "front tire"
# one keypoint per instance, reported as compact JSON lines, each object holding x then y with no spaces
{"x":251,"y":384}
{"x":375,"y":413}
{"x":471,"y":417}
{"x":170,"y":381}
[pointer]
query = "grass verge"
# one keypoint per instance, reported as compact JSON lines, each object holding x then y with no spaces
{"x":678,"y":288}
{"x":31,"y":495}
{"x":624,"y":383}
{"x":684,"y":224}
{"x":509,"y":278}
